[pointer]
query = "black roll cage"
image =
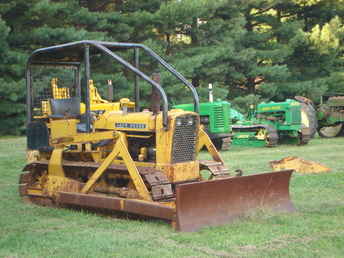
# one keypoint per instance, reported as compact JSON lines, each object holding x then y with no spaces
{"x":81,"y":51}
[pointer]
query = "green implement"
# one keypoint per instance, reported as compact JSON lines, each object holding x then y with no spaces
{"x":331,"y":116}
{"x":271,"y":123}
{"x":216,"y":119}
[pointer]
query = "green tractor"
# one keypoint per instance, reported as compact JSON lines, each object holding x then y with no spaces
{"x":215,"y":116}
{"x":331,"y":116}
{"x":291,"y":121}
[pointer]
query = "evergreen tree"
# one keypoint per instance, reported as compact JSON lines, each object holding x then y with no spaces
{"x":33,"y":24}
{"x":250,"y":50}
{"x":12,"y":95}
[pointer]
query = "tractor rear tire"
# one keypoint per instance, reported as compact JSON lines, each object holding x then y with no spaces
{"x":309,"y":111}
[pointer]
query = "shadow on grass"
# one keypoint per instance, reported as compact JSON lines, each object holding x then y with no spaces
{"x":112,"y":214}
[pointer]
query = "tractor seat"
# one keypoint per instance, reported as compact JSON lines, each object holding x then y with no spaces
{"x":65,"y":108}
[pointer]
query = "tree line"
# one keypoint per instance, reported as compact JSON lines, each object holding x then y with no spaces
{"x":250,"y":50}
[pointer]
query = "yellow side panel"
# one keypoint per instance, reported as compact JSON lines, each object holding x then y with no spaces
{"x":63,"y":128}
{"x":164,"y":140}
{"x":181,"y":171}
{"x":115,"y":106}
{"x":136,"y":122}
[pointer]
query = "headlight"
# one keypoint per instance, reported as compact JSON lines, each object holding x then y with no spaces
{"x":178,"y":122}
{"x":190,"y":121}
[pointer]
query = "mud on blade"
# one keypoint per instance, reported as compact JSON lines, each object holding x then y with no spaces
{"x":219,"y":201}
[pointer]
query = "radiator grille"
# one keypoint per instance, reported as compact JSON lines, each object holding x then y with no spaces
{"x":185,"y":138}
{"x":219,"y":119}
{"x":295,"y":116}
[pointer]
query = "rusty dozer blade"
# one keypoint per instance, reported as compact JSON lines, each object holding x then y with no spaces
{"x":217,"y":202}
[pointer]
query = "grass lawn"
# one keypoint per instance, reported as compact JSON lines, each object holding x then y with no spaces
{"x":315,"y":230}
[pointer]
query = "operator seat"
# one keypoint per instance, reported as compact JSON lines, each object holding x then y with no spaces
{"x":68,"y":108}
{"x":65,"y":108}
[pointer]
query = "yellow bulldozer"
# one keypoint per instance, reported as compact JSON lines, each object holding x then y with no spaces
{"x":84,"y":151}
